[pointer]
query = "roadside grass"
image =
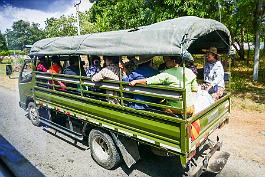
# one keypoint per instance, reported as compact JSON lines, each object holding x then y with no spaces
{"x":247,"y":94}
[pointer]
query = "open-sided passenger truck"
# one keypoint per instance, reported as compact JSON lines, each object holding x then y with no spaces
{"x":114,"y":131}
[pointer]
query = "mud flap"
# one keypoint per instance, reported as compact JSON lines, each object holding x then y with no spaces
{"x":128,"y":149}
{"x":217,"y":162}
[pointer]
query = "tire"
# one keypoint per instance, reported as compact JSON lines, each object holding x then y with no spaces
{"x":103,"y":149}
{"x":33,"y":114}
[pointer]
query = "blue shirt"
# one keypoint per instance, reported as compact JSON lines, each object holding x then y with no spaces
{"x":141,"y":73}
{"x":92,"y":71}
{"x":214,"y":74}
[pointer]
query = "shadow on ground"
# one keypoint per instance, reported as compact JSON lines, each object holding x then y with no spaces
{"x":158,"y":166}
{"x":15,"y":161}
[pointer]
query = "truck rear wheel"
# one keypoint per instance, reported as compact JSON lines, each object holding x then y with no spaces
{"x":103,"y":149}
{"x":33,"y":114}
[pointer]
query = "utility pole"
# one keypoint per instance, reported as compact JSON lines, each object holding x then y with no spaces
{"x":220,"y":13}
{"x":76,"y":5}
{"x":6,"y":41}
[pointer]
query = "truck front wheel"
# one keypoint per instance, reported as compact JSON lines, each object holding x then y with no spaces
{"x":103,"y":149}
{"x":33,"y":114}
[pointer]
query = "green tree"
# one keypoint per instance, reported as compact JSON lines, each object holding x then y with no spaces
{"x":85,"y":23}
{"x":3,"y":46}
{"x":23,"y":33}
{"x":122,"y":14}
{"x":63,"y":26}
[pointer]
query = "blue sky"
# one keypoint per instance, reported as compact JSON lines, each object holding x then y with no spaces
{"x":42,"y":5}
{"x":36,"y":10}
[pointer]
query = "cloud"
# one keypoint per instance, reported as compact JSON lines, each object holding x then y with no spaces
{"x":10,"y":14}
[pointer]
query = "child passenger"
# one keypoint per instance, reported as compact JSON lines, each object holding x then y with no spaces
{"x":143,"y":71}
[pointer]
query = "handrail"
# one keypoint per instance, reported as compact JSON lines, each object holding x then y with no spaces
{"x":162,"y":87}
{"x":163,"y":93}
{"x":116,"y":106}
{"x":87,"y":87}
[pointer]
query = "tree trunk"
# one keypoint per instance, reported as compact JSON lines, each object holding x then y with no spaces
{"x":263,"y":52}
{"x":242,"y":51}
{"x":257,"y":40}
{"x":256,"y":56}
{"x":248,"y":54}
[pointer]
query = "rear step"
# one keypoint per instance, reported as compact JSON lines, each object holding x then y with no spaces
{"x":211,"y":160}
{"x":217,"y":162}
{"x":62,"y":129}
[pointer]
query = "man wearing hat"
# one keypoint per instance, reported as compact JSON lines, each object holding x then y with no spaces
{"x":213,"y":74}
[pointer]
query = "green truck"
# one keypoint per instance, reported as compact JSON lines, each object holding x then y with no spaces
{"x":114,"y":131}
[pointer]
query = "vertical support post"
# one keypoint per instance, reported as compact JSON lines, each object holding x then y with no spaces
{"x":184,"y":93}
{"x":121,"y":86}
{"x":34,"y":76}
{"x":53,"y":88}
{"x":183,"y":144}
{"x":80,"y":75}
{"x":230,"y":74}
{"x":229,"y":82}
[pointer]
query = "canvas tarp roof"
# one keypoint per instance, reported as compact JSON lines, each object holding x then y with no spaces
{"x":163,"y":38}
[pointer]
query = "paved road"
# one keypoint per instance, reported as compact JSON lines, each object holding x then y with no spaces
{"x":40,"y":153}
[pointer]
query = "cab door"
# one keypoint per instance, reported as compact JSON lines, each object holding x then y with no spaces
{"x":26,"y":84}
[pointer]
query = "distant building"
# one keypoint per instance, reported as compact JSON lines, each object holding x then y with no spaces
{"x":251,"y":45}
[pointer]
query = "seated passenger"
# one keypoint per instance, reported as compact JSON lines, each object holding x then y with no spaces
{"x":213,"y":74}
{"x":143,"y":71}
{"x":73,"y":69}
{"x":173,"y":77}
{"x":190,"y":65}
{"x":95,"y":66}
{"x":162,"y":67}
{"x":56,"y":67}
{"x":109,"y":72}
{"x":42,"y":65}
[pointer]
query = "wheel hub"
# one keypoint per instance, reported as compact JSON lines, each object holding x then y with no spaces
{"x":101,"y":148}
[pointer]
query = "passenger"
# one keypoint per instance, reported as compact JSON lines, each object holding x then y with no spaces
{"x":42,"y":65}
{"x":190,"y":65}
{"x":143,"y":71}
{"x":162,"y":67}
{"x":73,"y":68}
{"x":109,"y":72}
{"x":213,"y":74}
{"x":189,"y":61}
{"x":95,"y":66}
{"x":56,"y":67}
{"x":173,"y":77}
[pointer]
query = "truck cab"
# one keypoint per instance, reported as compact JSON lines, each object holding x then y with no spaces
{"x":26,"y":83}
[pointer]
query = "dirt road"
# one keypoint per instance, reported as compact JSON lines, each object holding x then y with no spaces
{"x":46,"y":154}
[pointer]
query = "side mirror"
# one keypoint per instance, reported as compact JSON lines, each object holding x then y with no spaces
{"x":9,"y":70}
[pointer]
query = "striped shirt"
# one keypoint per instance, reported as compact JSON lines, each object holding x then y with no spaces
{"x":110,"y":72}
